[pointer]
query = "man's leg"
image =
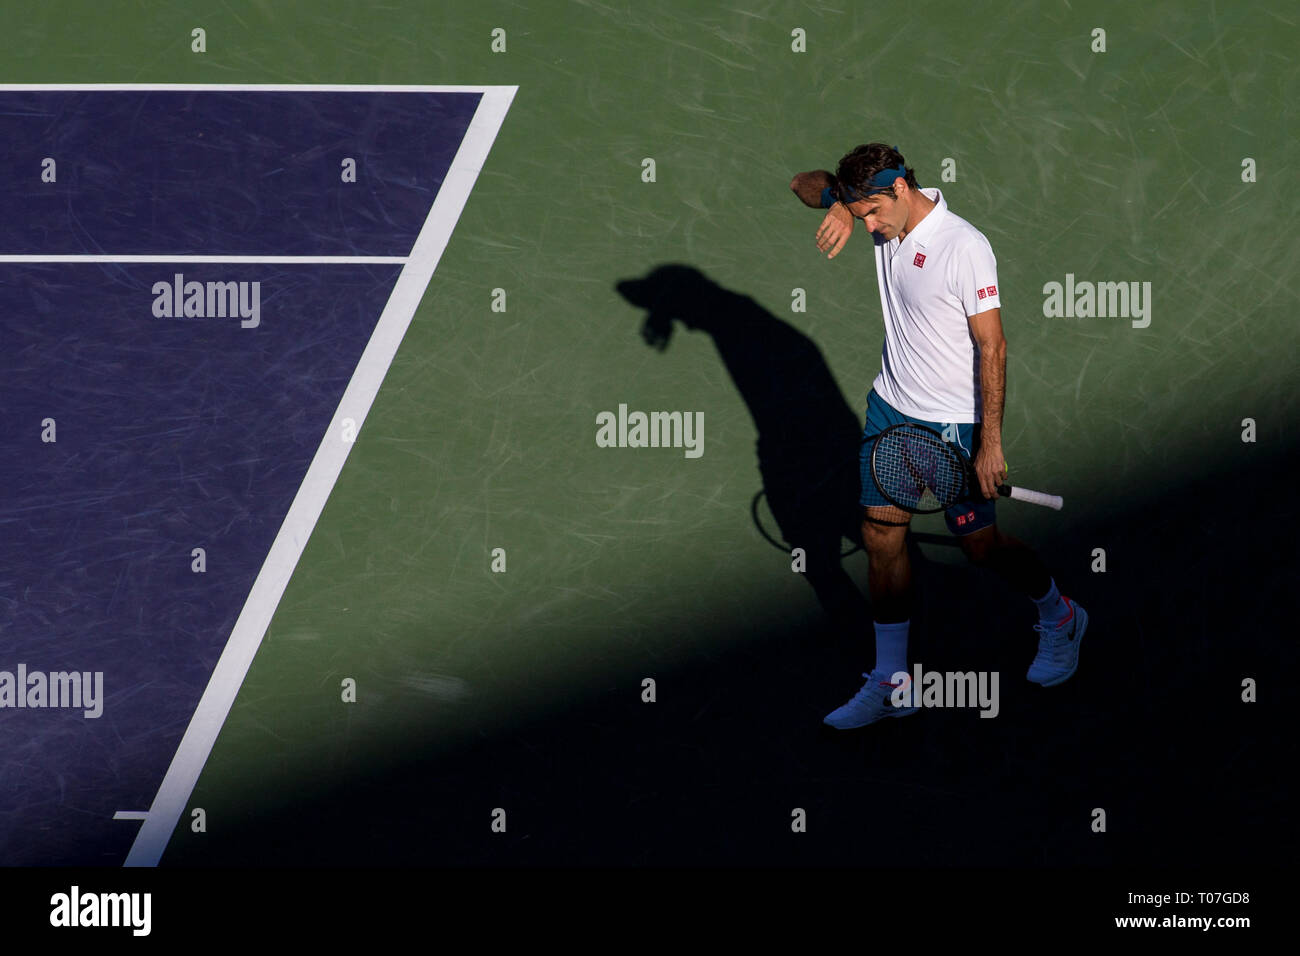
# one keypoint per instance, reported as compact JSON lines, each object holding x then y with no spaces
{"x":1010,"y":558}
{"x":889,"y":579}
{"x":889,"y":575}
{"x":1061,"y":623}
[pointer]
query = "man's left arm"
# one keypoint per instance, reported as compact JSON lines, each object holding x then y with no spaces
{"x":986,"y":329}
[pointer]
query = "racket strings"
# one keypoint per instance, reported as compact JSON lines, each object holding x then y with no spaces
{"x":918,"y":470}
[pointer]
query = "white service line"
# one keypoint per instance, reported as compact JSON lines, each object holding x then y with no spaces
{"x":250,"y":628}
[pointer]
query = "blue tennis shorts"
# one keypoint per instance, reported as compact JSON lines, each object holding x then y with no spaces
{"x":964,"y":517}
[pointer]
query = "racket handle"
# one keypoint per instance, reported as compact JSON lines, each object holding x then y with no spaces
{"x":1032,"y":497}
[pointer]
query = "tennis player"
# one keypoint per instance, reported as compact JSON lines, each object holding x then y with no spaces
{"x":943,"y":365}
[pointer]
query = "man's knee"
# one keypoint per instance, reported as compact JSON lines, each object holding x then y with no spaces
{"x":883,"y":533}
{"x":981,"y":546}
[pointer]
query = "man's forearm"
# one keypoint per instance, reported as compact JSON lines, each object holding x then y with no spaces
{"x":808,"y":186}
{"x":993,"y":386}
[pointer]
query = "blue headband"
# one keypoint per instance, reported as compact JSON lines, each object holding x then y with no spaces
{"x":881,"y":182}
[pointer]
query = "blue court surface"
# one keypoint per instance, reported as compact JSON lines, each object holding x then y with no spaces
{"x":183,"y":309}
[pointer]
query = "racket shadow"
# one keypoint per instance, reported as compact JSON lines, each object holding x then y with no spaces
{"x":808,"y":439}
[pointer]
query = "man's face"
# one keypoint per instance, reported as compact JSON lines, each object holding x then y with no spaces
{"x":881,"y":213}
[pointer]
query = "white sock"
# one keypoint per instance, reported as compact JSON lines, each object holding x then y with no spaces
{"x":891,"y":647}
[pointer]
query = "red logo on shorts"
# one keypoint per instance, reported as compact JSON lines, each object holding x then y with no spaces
{"x":962,"y":519}
{"x":979,"y":293}
{"x":919,"y":261}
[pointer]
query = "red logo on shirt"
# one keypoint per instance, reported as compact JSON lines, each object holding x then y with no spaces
{"x":919,"y":261}
{"x":993,"y":290}
{"x":979,"y":293}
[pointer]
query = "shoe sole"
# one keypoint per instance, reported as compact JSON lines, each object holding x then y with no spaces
{"x":902,"y":712}
{"x":1078,"y":644}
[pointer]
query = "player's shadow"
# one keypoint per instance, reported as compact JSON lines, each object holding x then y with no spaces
{"x":808,"y":437}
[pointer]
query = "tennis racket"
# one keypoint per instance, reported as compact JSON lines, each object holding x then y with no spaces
{"x":916,"y":470}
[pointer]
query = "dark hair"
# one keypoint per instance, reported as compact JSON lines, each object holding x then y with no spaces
{"x":857,"y":167}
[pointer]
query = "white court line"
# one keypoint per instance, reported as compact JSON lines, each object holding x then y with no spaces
{"x":307,"y":505}
{"x":273,"y":260}
{"x":131,"y":815}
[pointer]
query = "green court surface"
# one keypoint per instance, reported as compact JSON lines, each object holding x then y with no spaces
{"x":522,"y":690}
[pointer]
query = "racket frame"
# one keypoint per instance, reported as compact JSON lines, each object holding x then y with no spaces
{"x":963,"y":464}
{"x":967,"y":467}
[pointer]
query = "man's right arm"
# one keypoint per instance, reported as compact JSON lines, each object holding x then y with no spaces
{"x":809,"y":186}
{"x":838,"y":225}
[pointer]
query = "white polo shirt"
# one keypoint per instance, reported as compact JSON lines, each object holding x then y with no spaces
{"x":929,"y":283}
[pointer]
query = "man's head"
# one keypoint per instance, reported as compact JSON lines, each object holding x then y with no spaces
{"x":878,"y":188}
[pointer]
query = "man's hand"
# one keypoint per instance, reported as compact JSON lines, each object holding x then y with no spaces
{"x":835,"y":230}
{"x":838,"y":224}
{"x":990,"y":468}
